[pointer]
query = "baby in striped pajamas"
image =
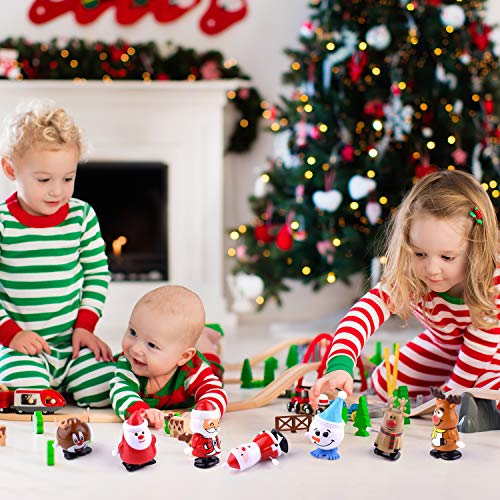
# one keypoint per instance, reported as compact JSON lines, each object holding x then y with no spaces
{"x":442,"y":267}
{"x":160,"y":367}
{"x":53,"y":270}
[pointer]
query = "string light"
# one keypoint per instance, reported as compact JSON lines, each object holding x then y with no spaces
{"x":331,"y":278}
{"x":260,"y":300}
{"x":234,"y":235}
{"x":306,"y":270}
{"x":231,"y":252}
{"x":383,"y":200}
{"x":242,"y":229}
{"x":311,"y":160}
{"x":336,"y":242}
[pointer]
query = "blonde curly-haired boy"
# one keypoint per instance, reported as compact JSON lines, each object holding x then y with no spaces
{"x":53,"y":270}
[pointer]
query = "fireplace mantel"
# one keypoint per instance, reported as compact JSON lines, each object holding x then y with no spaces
{"x":178,"y":123}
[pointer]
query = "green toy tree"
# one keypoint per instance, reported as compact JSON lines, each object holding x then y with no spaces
{"x":385,"y":92}
{"x":362,"y":419}
{"x":246,"y":376}
{"x":270,"y":366}
{"x":292,"y":358}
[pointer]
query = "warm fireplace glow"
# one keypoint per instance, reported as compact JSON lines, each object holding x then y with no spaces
{"x":118,"y":244}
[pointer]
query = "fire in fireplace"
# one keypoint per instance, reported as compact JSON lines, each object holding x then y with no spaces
{"x":130,"y":199}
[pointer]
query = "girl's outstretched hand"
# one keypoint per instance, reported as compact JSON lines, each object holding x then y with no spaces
{"x":338,"y":379}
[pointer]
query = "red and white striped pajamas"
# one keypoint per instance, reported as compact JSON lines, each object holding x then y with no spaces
{"x":450,"y":352}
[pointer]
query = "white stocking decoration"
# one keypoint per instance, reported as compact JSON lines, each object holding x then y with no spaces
{"x":328,"y":201}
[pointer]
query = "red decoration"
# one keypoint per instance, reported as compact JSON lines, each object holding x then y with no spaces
{"x":488,"y":104}
{"x":284,"y":240}
{"x":348,"y":153}
{"x":479,"y":35}
{"x":374,"y":108}
{"x":214,"y":20}
{"x":221,"y":14}
{"x":424,"y":169}
{"x":265,"y":233}
{"x":356,"y":65}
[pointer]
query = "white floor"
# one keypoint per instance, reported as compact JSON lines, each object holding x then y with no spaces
{"x":359,"y":474}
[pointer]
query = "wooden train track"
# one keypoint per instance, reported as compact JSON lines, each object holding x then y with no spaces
{"x":262,"y":356}
{"x":428,"y":407}
{"x":275,"y":388}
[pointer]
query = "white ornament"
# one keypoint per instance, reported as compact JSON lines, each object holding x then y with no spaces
{"x":307,"y":30}
{"x":465,"y":58}
{"x":346,"y":47}
{"x":448,"y":78}
{"x":281,"y":150}
{"x":8,"y":63}
{"x":373,"y":212}
{"x":229,"y":5}
{"x":260,"y":187}
{"x":378,"y":37}
{"x":359,"y":186}
{"x":453,"y":15}
{"x":245,"y":288}
{"x":327,"y":201}
{"x":398,"y":117}
{"x":427,"y":132}
{"x":458,"y":107}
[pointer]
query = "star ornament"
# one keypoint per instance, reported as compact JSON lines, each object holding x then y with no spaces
{"x":459,"y":156}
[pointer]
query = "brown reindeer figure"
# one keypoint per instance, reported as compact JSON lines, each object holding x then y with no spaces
{"x":445,"y":436}
{"x":390,"y":437}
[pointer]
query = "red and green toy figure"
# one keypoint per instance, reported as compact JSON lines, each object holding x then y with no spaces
{"x":205,"y":444}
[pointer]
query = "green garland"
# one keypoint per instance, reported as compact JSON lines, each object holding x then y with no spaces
{"x":97,"y":60}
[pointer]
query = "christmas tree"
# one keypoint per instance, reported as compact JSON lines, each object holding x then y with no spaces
{"x":385,"y":92}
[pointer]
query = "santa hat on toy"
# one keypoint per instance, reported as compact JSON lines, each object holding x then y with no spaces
{"x":136,"y":422}
{"x":332,"y":416}
{"x":323,"y":400}
{"x":205,"y":410}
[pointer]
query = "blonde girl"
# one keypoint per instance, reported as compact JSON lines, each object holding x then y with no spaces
{"x":442,"y":267}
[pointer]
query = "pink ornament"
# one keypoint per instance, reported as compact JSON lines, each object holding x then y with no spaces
{"x":315,"y":133}
{"x":210,"y":71}
{"x":459,"y":156}
{"x":326,"y":249}
{"x":348,"y":152}
{"x":299,"y":193}
{"x":241,"y":252}
{"x":244,"y":94}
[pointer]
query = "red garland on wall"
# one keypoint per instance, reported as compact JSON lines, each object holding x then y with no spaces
{"x":219,"y":15}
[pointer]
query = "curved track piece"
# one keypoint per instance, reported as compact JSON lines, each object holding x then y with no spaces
{"x":254,"y":360}
{"x":428,"y":407}
{"x":275,"y":388}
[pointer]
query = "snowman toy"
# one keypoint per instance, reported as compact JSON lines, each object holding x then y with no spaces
{"x":137,"y":448}
{"x":326,"y":431}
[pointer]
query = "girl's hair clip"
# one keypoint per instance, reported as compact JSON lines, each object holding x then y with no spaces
{"x":476,"y":214}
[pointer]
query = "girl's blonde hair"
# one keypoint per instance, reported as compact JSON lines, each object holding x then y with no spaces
{"x":447,"y":194}
{"x":39,"y":125}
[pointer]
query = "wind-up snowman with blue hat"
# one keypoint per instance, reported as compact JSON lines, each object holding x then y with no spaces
{"x":327,"y":430}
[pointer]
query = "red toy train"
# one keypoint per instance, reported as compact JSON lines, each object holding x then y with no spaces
{"x":30,"y":400}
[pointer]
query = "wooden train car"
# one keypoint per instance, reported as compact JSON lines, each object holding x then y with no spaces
{"x":31,"y":400}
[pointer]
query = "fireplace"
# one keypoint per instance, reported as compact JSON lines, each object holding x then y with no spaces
{"x":130,"y":200}
{"x":179,"y":124}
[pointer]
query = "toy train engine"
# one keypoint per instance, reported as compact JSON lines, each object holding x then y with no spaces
{"x":31,"y":400}
{"x":300,"y":402}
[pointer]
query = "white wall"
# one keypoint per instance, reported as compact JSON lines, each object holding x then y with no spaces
{"x":257,"y":43}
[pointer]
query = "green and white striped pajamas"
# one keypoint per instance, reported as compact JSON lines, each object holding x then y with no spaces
{"x":53,"y":278}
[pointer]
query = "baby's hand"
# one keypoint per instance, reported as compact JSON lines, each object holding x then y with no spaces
{"x":154,"y":417}
{"x":338,"y":379}
{"x":29,"y":342}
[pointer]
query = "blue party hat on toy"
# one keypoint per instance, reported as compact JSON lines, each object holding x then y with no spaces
{"x":332,"y":416}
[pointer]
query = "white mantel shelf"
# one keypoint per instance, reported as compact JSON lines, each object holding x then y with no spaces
{"x":179,"y":123}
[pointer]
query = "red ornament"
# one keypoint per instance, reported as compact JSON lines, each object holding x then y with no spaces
{"x":347,"y":153}
{"x":265,"y":233}
{"x":284,"y":240}
{"x":356,"y":65}
{"x":374,"y":108}
{"x":488,"y":104}
{"x":210,"y":70}
{"x":423,"y":170}
{"x":479,"y":35}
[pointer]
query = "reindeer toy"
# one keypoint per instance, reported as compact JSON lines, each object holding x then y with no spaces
{"x":445,"y":437}
{"x":390,"y":437}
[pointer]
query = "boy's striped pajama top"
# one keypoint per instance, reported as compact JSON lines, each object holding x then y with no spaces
{"x":450,"y":351}
{"x":53,"y":278}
